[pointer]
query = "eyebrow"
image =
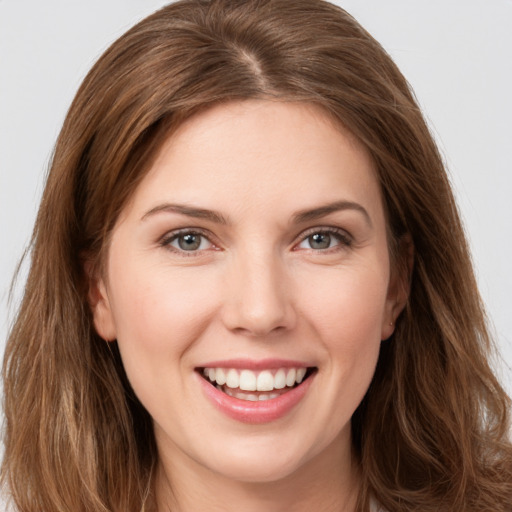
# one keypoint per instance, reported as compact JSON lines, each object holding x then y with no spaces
{"x":189,"y":211}
{"x":322,"y":211}
{"x":300,"y":217}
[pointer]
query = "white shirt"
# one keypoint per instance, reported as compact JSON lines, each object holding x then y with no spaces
{"x":375,"y":507}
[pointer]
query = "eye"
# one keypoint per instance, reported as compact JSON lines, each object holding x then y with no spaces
{"x":187,"y":241}
{"x":323,"y":239}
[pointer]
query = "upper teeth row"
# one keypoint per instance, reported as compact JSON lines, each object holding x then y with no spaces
{"x":247,"y":380}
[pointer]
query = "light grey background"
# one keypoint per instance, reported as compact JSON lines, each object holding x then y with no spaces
{"x":457,"y":54}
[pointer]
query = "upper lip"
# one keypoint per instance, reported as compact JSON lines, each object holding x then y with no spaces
{"x":252,"y":364}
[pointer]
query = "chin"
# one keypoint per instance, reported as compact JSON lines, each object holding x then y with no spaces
{"x":256,"y":460}
{"x":264,"y":470}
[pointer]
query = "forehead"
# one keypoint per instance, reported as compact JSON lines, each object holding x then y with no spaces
{"x":253,"y":154}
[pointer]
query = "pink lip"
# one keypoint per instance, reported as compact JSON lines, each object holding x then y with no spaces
{"x":246,"y":411}
{"x":249,"y":364}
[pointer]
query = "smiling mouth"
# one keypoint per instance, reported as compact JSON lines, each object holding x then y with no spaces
{"x":256,"y":386}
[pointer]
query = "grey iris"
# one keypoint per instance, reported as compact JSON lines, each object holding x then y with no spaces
{"x":320,"y":241}
{"x":189,"y":242}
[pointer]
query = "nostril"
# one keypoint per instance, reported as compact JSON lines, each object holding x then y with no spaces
{"x":259,"y":331}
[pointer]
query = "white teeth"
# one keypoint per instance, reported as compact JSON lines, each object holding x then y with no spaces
{"x":280,"y":379}
{"x":265,"y":381}
{"x":251,"y":397}
{"x":220,"y":376}
{"x":247,"y":380}
{"x":290,"y":377}
{"x":232,"y":379}
{"x":300,"y":375}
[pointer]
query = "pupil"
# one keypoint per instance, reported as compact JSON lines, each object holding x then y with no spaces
{"x":189,"y":242}
{"x":320,"y":241}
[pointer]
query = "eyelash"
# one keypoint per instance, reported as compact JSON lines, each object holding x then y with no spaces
{"x":343,"y":238}
{"x":175,"y":235}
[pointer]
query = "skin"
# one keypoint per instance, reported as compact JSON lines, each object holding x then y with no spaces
{"x":257,"y":287}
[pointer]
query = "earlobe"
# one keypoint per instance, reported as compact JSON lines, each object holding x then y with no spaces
{"x":99,"y":303}
{"x":399,"y":286}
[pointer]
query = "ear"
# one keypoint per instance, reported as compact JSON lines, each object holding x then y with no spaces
{"x":399,"y":285}
{"x":99,"y":303}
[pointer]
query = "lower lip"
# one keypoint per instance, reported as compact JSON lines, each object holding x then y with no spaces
{"x":263,"y":411}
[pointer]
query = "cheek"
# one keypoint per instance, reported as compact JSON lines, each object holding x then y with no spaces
{"x":157,"y":312}
{"x":347,"y":307}
{"x":346,"y":312}
{"x":159,"y":316}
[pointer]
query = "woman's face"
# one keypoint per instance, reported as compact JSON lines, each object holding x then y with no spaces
{"x":253,"y":251}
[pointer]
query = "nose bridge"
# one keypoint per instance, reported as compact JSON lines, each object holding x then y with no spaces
{"x":258,"y":301}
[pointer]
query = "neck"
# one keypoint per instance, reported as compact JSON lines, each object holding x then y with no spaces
{"x":328,"y":482}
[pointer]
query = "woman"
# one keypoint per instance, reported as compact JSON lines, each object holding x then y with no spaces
{"x":250,"y":287}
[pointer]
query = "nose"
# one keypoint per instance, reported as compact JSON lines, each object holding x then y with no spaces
{"x":258,"y":299}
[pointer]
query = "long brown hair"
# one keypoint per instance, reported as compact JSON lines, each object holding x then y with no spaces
{"x":431,"y":433}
